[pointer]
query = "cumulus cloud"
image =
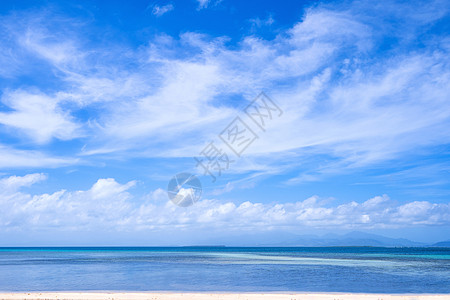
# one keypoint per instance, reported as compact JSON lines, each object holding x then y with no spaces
{"x":13,"y":183}
{"x":105,"y":203}
{"x":109,"y":204}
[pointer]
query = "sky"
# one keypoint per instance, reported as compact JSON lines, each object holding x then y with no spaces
{"x":298,"y":118}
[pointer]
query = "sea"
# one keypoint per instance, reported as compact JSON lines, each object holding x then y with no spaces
{"x":202,"y":269}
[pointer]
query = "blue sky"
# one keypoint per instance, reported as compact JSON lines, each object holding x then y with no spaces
{"x":102,"y":102}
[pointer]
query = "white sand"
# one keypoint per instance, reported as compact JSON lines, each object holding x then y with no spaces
{"x":225,"y":296}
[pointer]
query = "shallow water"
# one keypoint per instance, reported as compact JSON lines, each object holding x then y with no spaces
{"x":327,"y":269}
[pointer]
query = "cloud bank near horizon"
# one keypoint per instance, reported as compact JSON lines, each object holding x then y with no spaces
{"x":110,"y":205}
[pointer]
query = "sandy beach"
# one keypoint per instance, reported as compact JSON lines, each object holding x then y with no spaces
{"x":218,"y":296}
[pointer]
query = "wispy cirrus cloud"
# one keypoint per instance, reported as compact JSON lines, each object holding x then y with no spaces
{"x":346,"y":96}
{"x":203,"y":3}
{"x":38,"y":116}
{"x":161,"y":10}
{"x":12,"y":158}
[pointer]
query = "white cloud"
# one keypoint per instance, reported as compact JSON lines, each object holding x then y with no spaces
{"x":161,"y":10}
{"x":48,"y":47}
{"x":343,"y":97}
{"x":106,"y":188}
{"x":360,"y":120}
{"x":38,"y":116}
{"x":16,"y":158}
{"x":258,"y":22}
{"x":105,"y":204}
{"x":13,"y":183}
{"x":108,"y":204}
{"x":203,"y":3}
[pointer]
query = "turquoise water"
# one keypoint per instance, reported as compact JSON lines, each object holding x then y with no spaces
{"x":328,"y":269}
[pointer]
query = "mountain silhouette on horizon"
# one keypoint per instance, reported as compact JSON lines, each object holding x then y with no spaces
{"x":351,"y":239}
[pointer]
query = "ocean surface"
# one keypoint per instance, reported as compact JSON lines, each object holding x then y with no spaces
{"x":328,"y":269}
